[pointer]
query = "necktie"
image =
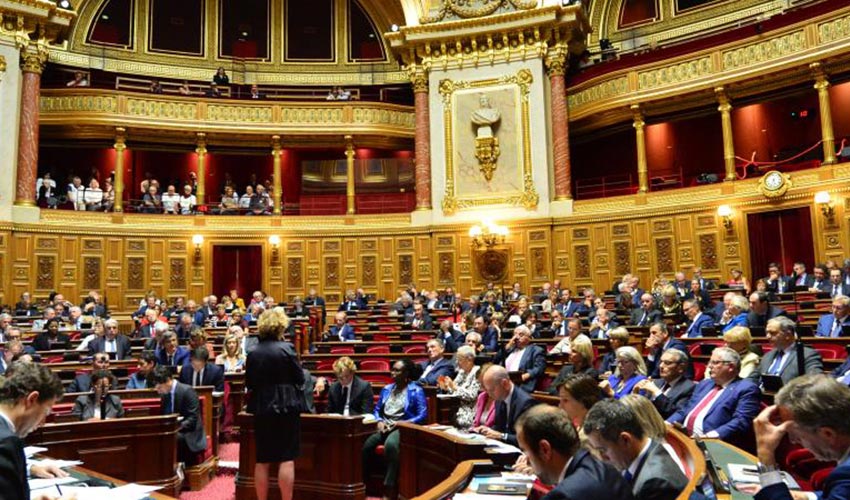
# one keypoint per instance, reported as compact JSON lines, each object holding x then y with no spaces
{"x":642,"y":319}
{"x":801,"y":280}
{"x":170,"y":360}
{"x":776,"y":365}
{"x":345,"y":400}
{"x":664,"y":387}
{"x":627,"y":476}
{"x":834,"y":290}
{"x":197,"y":381}
{"x":692,"y":416}
{"x":836,"y":329}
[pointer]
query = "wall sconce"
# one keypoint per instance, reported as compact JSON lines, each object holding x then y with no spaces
{"x":824,"y":201}
{"x":488,"y":235}
{"x":725,"y":213}
{"x":197,"y":240}
{"x":274,"y":241}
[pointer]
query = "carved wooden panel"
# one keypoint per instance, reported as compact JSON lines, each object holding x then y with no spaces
{"x":46,"y":243}
{"x":331,"y":271}
{"x":661,"y":226}
{"x":620,"y":229}
{"x":46,"y":272}
{"x":177,"y":274}
{"x":177,"y":246}
{"x":135,"y":273}
{"x":293,"y":246}
{"x":622,"y":260}
{"x":331,"y":246}
{"x":368,"y":245}
{"x":537,"y":236}
{"x":294,"y":276}
{"x":92,"y":245}
{"x":582,"y":260}
{"x":405,"y":268}
{"x":368,"y":270}
{"x":91,"y":272}
{"x":445,"y":241}
{"x":136,"y":245}
{"x":664,"y":255}
{"x":405,"y":244}
{"x":539,"y":269}
{"x":580,"y":233}
{"x":446,"y":272}
{"x":708,"y":251}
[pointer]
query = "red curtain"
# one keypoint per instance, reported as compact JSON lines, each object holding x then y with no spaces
{"x":782,"y":236}
{"x":238,"y":267}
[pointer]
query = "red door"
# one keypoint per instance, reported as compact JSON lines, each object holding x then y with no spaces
{"x":238,"y":267}
{"x":782,"y":236}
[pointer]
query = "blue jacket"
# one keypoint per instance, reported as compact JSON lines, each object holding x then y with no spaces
{"x":441,"y":367}
{"x":732,"y":413}
{"x":825,"y":323}
{"x":490,"y":340}
{"x":415,"y":408}
{"x":739,"y":320}
{"x":627,"y":387}
{"x":181,"y":357}
{"x":695,"y":329}
{"x":836,"y":486}
{"x":347,"y":333}
{"x":588,"y":477}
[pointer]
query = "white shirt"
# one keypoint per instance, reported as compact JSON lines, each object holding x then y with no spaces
{"x":513,"y":360}
{"x":245,"y":201}
{"x":84,"y":345}
{"x":698,"y":430}
{"x":170,"y":202}
{"x":186,"y":203}
{"x":636,"y":462}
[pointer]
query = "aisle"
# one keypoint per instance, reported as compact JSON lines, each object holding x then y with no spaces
{"x":222,"y":487}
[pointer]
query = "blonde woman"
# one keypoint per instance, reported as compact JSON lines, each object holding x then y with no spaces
{"x":631,"y":369}
{"x":652,"y":423}
{"x":232,"y":358}
{"x":739,"y":340}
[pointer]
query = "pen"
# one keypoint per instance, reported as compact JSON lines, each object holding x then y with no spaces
{"x":58,"y":489}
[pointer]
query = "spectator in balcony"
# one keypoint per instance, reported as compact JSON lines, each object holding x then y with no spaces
{"x":220,"y":77}
{"x":170,"y":200}
{"x":245,"y":199}
{"x":46,"y":191}
{"x":80,"y":80}
{"x":187,"y":200}
{"x":255,"y":93}
{"x":184,"y":89}
{"x":156,"y":87}
{"x":74,"y":192}
{"x":260,"y":202}
{"x":213,"y":91}
{"x":333,"y":94}
{"x":152,"y":202}
{"x":93,"y":196}
{"x":229,"y":202}
{"x":108,"y":196}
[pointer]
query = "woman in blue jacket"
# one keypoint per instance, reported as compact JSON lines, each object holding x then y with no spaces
{"x":401,"y":401}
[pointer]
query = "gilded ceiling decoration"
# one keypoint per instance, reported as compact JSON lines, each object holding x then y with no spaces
{"x":466,"y":9}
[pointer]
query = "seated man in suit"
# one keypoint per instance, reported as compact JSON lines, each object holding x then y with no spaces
{"x":340,"y":331}
{"x":761,"y":311}
{"x":699,"y":294}
{"x":615,"y":430}
{"x":146,"y":364}
{"x":723,"y":405}
{"x":520,"y":355}
{"x":721,"y":311}
{"x":657,"y":343}
{"x":51,"y":337}
{"x":82,"y":382}
{"x":99,"y":404}
{"x":349,"y":395}
{"x":489,"y":335}
{"x":785,"y":358}
{"x":566,"y":306}
{"x":112,"y":342}
{"x":673,"y":390}
{"x":812,"y":410}
{"x":179,"y":398}
{"x":799,"y":278}
{"x":203,"y":372}
{"x":647,"y":314}
{"x":451,"y":337}
{"x":421,"y":319}
{"x":602,"y":324}
{"x":350,"y":303}
{"x":171,"y":354}
{"x":551,"y":444}
{"x":836,"y":284}
{"x":185,"y":324}
{"x":831,"y":325}
{"x":26,"y":397}
{"x":437,"y":365}
{"x":820,"y":281}
{"x":698,"y":320}
{"x":314,"y":300}
{"x":776,"y":282}
{"x":511,"y":402}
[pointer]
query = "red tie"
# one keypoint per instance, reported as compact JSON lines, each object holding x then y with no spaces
{"x":692,"y":416}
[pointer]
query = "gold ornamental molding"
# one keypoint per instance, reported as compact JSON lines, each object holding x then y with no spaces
{"x":23,"y":20}
{"x":465,"y":9}
{"x":97,"y":107}
{"x":2,"y":67}
{"x":739,"y":65}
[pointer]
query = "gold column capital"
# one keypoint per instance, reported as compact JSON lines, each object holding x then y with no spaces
{"x":120,"y":138}
{"x":637,"y":116}
{"x":418,"y":76}
{"x":34,"y":56}
{"x":201,"y":143}
{"x":556,"y":60}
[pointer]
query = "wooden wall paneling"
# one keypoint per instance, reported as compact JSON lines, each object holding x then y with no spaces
{"x":388,"y":280}
{"x":686,"y":253}
{"x":602,"y":260}
{"x":45,"y":273}
{"x":541,"y":236}
{"x":562,"y":255}
{"x":424,"y":267}
{"x":6,"y":289}
{"x":369,"y":270}
{"x":22,"y":270}
{"x":644,"y":264}
{"x":350,"y":263}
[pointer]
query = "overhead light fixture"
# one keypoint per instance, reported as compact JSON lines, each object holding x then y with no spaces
{"x":197,"y":240}
{"x":65,"y":4}
{"x":487,"y":235}
{"x":394,"y":28}
{"x":274,"y":241}
{"x":824,"y":201}
{"x":725,"y":213}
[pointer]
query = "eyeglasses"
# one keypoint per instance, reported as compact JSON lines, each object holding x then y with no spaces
{"x":718,"y":362}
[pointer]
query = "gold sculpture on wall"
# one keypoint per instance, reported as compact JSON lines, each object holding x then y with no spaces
{"x":487,"y":151}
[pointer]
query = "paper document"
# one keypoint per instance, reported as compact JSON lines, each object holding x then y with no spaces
{"x":39,"y":483}
{"x":56,"y":463}
{"x":748,"y":473}
{"x":81,"y":493}
{"x":132,"y":491}
{"x":32,"y":450}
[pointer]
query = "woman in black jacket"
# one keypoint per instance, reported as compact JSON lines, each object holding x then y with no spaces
{"x":274,"y":379}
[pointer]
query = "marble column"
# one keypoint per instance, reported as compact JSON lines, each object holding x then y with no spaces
{"x":201,"y":150}
{"x":120,"y":146}
{"x":349,"y":185}
{"x":33,"y":65}
{"x":277,"y":185}
{"x":640,"y":136}
{"x":827,"y":135}
{"x":560,"y":128}
{"x":422,"y":138}
{"x":725,"y":109}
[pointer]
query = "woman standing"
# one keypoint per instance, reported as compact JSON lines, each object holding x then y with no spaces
{"x":273,"y":378}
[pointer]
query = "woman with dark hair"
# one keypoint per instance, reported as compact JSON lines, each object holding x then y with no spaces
{"x":99,"y":404}
{"x":401,"y":401}
{"x":50,"y":337}
{"x":274,"y":379}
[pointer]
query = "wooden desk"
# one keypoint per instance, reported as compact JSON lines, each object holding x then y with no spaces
{"x":141,"y":450}
{"x":329,"y":467}
{"x":83,"y":473}
{"x":725,"y":453}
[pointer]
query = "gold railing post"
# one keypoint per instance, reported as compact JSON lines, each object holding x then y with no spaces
{"x":725,"y":108}
{"x":120,"y":146}
{"x":827,"y":135}
{"x":640,"y":136}
{"x":277,"y":196}
{"x":349,"y":162}
{"x":201,"y":150}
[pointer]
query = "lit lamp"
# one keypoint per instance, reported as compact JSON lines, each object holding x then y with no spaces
{"x":824,"y":201}
{"x":725,"y":213}
{"x":274,"y":241}
{"x":197,"y":240}
{"x":488,"y":235}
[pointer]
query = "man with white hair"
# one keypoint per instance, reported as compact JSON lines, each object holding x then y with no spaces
{"x":112,"y":342}
{"x":75,"y":318}
{"x":737,"y":313}
{"x":786,"y":359}
{"x":519,"y":355}
{"x":5,"y":324}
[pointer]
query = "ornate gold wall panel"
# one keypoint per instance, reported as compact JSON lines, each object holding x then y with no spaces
{"x":659,"y":233}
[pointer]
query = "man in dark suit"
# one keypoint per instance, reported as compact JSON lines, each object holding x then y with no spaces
{"x":82,"y":382}
{"x":820,"y":279}
{"x":812,"y":410}
{"x":602,"y":324}
{"x":613,"y":427}
{"x":314,"y":300}
{"x":489,"y":335}
{"x":341,"y":331}
{"x":350,"y":303}
{"x":723,"y":405}
{"x":436,"y":366}
{"x":761,"y":311}
{"x":700,"y":295}
{"x":181,"y":399}
{"x":799,"y":278}
{"x":349,"y":395}
{"x":776,"y":282}
{"x":550,"y":442}
{"x":111,"y":342}
{"x":657,"y":343}
{"x":785,"y":358}
{"x":647,"y":314}
{"x":421,"y":319}
{"x":831,"y":325}
{"x":451,"y":337}
{"x":520,"y":355}
{"x":703,"y":283}
{"x":171,"y":354}
{"x":698,"y":320}
{"x":203,"y":372}
{"x":836,"y":285}
{"x":566,"y":305}
{"x":30,"y":390}
{"x":362,"y":299}
{"x":672,"y":391}
{"x":51,"y":337}
{"x":511,"y":403}
{"x":185,"y":324}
